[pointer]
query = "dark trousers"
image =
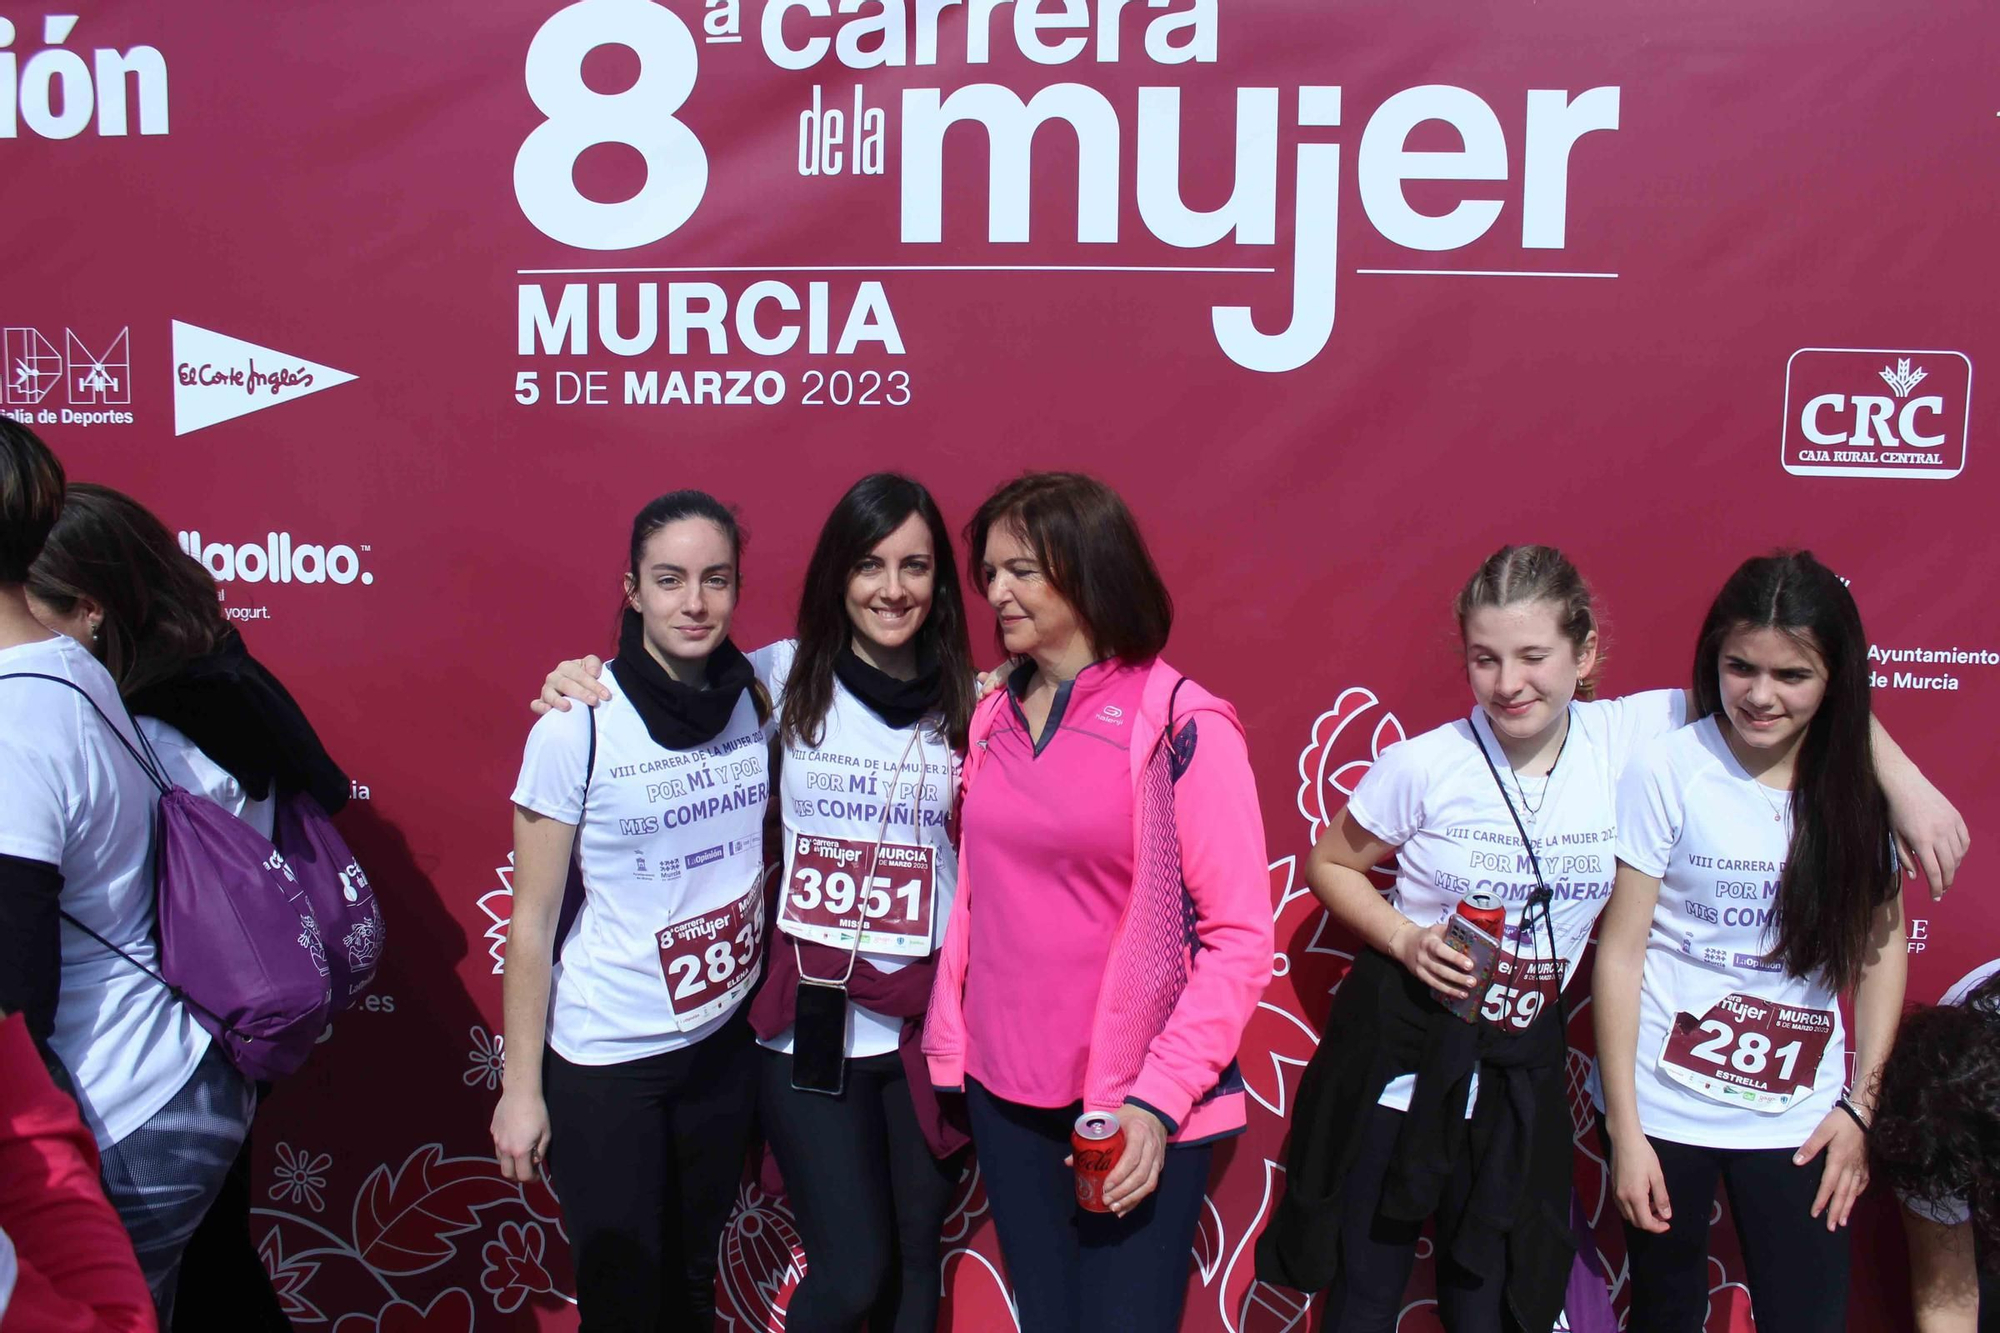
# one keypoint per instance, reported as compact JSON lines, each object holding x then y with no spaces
{"x":223,"y":1282}
{"x":1074,"y":1271}
{"x":1795,"y":1268}
{"x":646,"y":1157}
{"x":869,"y":1197}
{"x":1376,"y":1252}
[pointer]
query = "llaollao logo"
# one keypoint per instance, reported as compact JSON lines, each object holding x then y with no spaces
{"x":277,"y":558}
{"x":641,"y":117}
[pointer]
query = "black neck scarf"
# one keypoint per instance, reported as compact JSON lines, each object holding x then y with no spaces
{"x":900,"y":703}
{"x":677,"y":716}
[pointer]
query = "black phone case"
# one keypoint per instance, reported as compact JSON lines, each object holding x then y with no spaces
{"x":819,"y":1039}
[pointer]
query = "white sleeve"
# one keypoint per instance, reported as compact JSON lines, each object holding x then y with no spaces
{"x":1649,"y":811}
{"x":553,"y":767}
{"x":34,"y":816}
{"x":1389,"y":801}
{"x":1633,"y":721}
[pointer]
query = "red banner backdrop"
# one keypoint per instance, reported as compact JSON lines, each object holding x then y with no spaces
{"x":398,"y":315}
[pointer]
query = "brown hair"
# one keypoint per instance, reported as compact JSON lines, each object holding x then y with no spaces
{"x":31,"y":495}
{"x":1516,"y":574}
{"x":1092,"y":553}
{"x":160,"y":607}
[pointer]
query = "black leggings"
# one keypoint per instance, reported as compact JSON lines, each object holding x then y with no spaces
{"x":1073,"y":1271}
{"x":869,"y":1197}
{"x":1376,"y":1252}
{"x":1796,"y":1269}
{"x":646,"y":1157}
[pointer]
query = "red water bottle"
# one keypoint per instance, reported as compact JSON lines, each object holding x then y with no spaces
{"x":1486,"y":911}
{"x":1096,"y":1144}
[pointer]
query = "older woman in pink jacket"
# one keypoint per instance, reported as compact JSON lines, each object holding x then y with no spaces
{"x":1112,"y":929}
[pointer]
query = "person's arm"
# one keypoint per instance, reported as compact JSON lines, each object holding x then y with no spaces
{"x":1640,"y":1185}
{"x":31,"y":942}
{"x":1878,"y":1007}
{"x":541,"y":868}
{"x":1338,"y":869}
{"x":1226,"y":869}
{"x":1944,"y":1277}
{"x":76,"y":1272}
{"x":1930,"y":832}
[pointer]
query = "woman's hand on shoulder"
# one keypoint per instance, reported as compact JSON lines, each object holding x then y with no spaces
{"x":994,"y":678}
{"x":575,"y":678}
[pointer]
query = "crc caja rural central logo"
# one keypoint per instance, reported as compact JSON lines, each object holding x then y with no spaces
{"x":1871,"y":412}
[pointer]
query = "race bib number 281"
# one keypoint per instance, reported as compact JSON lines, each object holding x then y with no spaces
{"x":825,"y":897}
{"x":1748,"y":1052}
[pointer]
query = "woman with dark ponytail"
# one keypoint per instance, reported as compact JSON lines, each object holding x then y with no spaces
{"x":630,"y":1064}
{"x":1757,"y":883}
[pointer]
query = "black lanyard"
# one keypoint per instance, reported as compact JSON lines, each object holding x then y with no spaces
{"x":1543,"y":897}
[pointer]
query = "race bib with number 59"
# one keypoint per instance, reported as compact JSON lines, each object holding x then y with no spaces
{"x":1748,"y":1052}
{"x":710,"y":960}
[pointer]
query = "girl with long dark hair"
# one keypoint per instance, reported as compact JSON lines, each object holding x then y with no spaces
{"x":112,"y":577}
{"x":876,"y":692}
{"x":1757,"y":883}
{"x":630,"y":1064}
{"x":166,"y":1108}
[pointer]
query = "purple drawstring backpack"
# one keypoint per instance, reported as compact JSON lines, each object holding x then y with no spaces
{"x":349,"y":919}
{"x":239,"y":942}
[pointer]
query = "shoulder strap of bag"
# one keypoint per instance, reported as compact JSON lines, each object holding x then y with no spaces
{"x":149,"y":763}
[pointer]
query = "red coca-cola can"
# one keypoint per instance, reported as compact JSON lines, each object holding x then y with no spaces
{"x":1095,"y":1145}
{"x":1485,"y":911}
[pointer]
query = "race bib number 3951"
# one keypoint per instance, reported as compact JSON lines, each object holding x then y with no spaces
{"x":826,"y":899}
{"x":1748,"y":1052}
{"x":710,"y":960}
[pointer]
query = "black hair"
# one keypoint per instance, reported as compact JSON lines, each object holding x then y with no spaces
{"x":1841,"y":866}
{"x":873,"y":508}
{"x":672,"y":508}
{"x":160,"y":607}
{"x":1936,"y":1137}
{"x":31,"y":495}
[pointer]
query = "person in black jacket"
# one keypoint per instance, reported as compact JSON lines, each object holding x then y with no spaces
{"x":111,"y":576}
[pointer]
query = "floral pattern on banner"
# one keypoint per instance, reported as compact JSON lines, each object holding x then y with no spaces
{"x":513,"y":1266}
{"x":300,"y":1178}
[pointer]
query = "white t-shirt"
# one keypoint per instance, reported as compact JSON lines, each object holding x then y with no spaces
{"x":70,"y":796}
{"x":667,"y":836}
{"x":815,"y":786}
{"x":188,"y":766}
{"x":1717,"y":839}
{"x":1434,"y":797}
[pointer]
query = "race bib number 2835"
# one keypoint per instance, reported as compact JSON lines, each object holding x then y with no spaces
{"x":710,"y":960}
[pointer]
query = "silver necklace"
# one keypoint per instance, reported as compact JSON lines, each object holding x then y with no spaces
{"x":1777,"y":809}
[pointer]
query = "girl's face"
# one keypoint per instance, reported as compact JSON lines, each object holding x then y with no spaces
{"x":1772,"y":685}
{"x":1522,"y":668}
{"x":1032,"y":614}
{"x":889,"y":593}
{"x":685,"y":592}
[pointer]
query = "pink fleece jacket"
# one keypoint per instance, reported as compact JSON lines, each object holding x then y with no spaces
{"x":1192,"y":952}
